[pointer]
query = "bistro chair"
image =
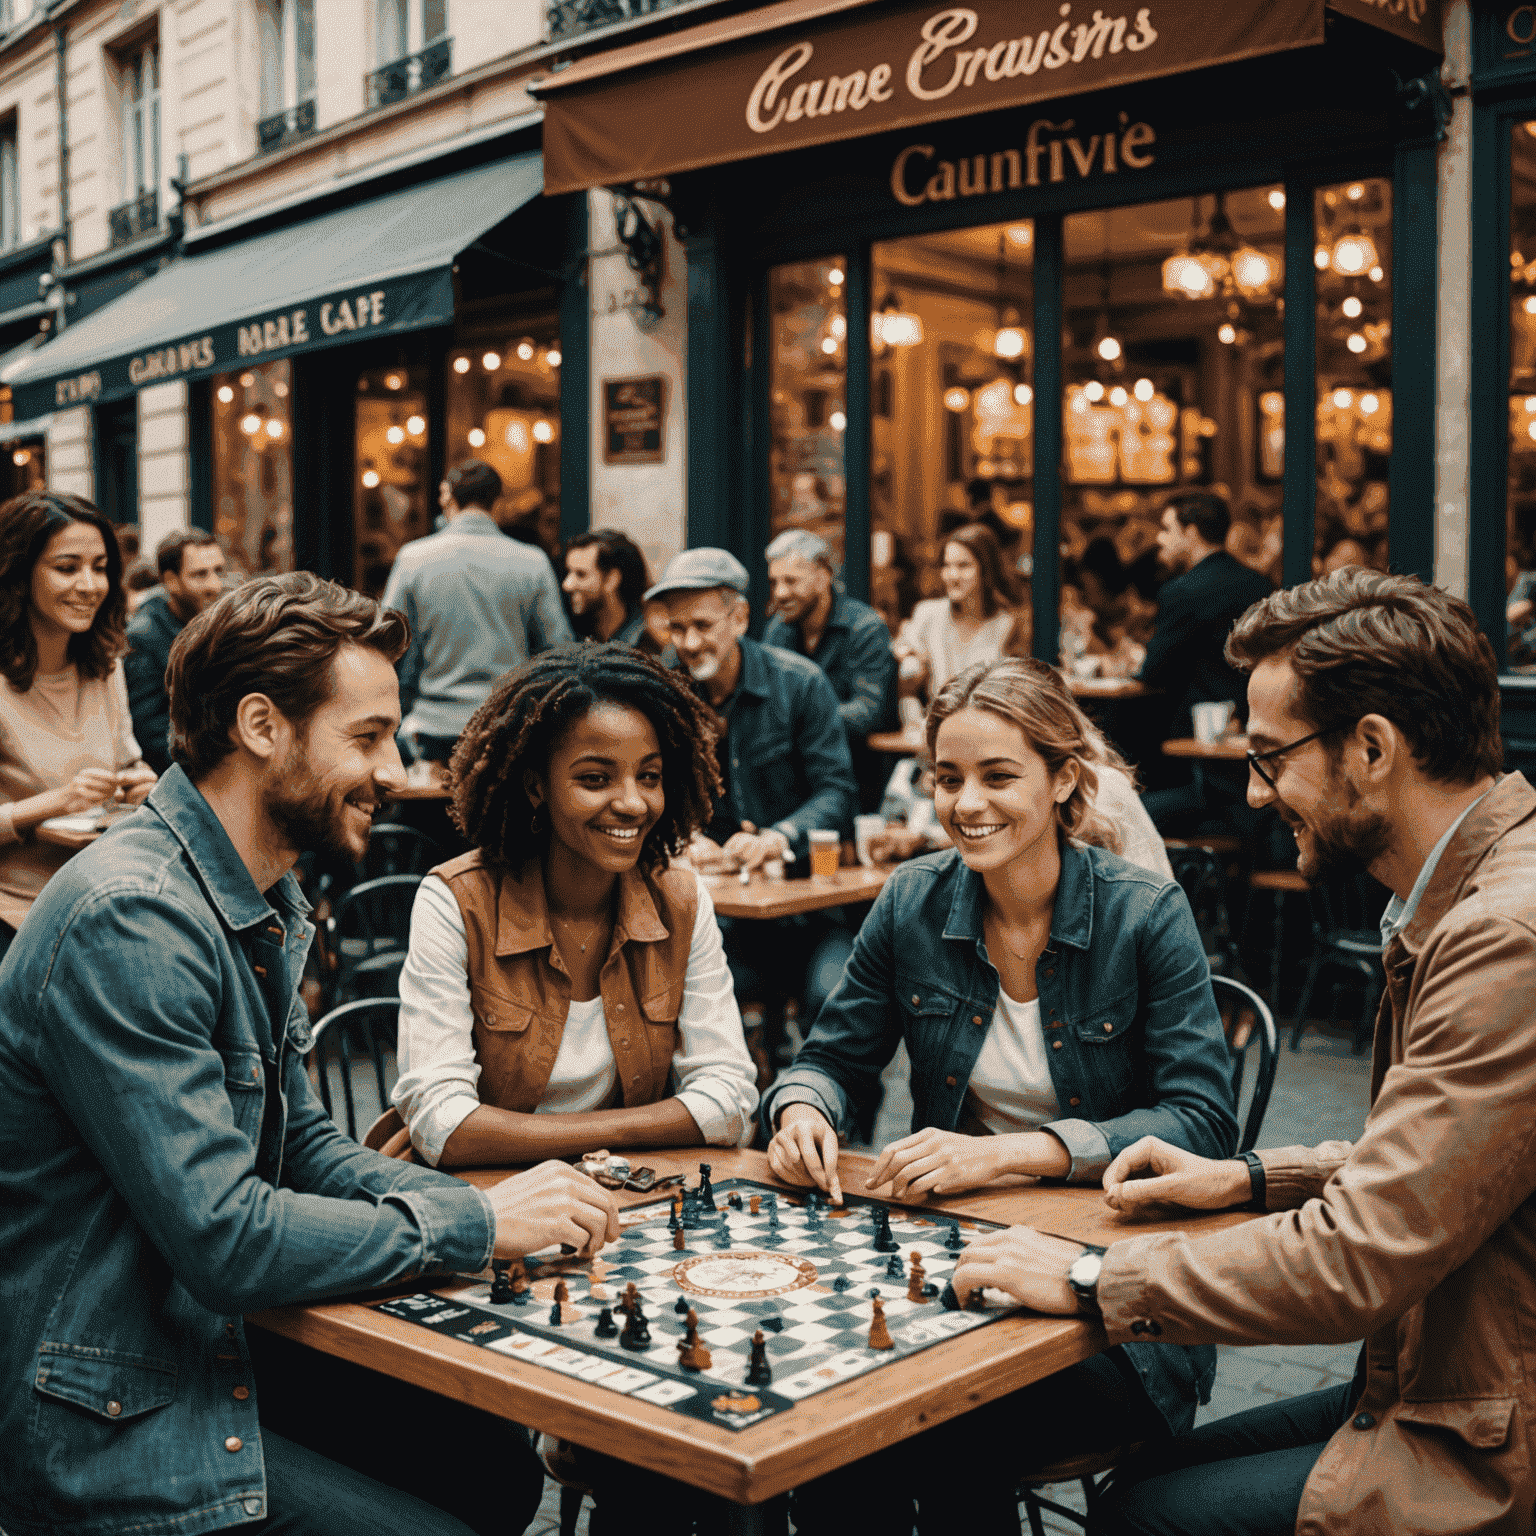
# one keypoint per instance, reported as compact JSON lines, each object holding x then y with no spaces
{"x":1346,"y":935}
{"x":366,"y":937}
{"x":396,"y":849}
{"x":345,"y":1039}
{"x":1247,"y":1018}
{"x":1201,"y":871}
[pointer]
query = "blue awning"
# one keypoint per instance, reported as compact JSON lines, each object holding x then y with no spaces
{"x":376,"y":268}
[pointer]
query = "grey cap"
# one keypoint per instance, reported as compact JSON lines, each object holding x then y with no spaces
{"x":700,"y":570}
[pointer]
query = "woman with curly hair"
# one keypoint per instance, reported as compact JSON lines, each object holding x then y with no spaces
{"x":1056,"y":1005}
{"x":66,"y":736}
{"x":566,"y":988}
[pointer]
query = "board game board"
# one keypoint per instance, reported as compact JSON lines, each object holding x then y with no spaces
{"x":782,"y":1282}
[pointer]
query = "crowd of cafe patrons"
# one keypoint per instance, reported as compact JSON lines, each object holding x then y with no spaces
{"x":193,"y":763}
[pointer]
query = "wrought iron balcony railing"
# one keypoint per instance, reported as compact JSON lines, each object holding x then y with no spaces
{"x":132,"y":219}
{"x":568,"y":18}
{"x":394,"y":82}
{"x":284,"y":127}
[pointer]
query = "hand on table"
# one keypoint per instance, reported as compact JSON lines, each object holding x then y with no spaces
{"x":1030,"y":1266}
{"x":752,"y":849}
{"x":552,"y":1203}
{"x":804,"y":1150}
{"x":134,"y":784}
{"x":707,"y":855}
{"x":895,"y":844}
{"x":85,"y":791}
{"x":935,"y":1162}
{"x":1178,"y":1178}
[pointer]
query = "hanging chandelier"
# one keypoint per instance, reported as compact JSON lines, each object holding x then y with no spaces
{"x":1220,"y":261}
{"x":1009,"y":343}
{"x":892,"y":326}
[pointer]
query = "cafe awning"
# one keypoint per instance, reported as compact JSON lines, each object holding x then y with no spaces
{"x":807,"y":72}
{"x":375,"y":268}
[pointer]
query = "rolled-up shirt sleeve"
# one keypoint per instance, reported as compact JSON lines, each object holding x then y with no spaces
{"x":711,"y":1069}
{"x":439,"y":1073}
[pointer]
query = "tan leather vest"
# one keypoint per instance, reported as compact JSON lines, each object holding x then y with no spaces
{"x":520,"y":991}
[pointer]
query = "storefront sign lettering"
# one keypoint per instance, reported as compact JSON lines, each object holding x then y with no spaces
{"x":917,"y":179}
{"x":167,"y":362}
{"x":773,"y":102}
{"x":290,"y":330}
{"x":80,"y":390}
{"x":355,"y":315}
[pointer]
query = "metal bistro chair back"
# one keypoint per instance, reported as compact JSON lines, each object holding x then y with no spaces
{"x":1346,"y":935}
{"x":1246,"y":1018}
{"x":345,"y":1039}
{"x":1202,"y":875}
{"x":396,"y":849}
{"x":366,"y":937}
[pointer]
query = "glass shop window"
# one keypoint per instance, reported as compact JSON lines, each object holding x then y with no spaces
{"x":1520,"y":533}
{"x":1353,"y":259}
{"x":392,"y":500}
{"x":253,"y":467}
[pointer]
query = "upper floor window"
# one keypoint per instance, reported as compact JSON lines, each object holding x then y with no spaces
{"x":286,"y":29}
{"x":141,"y":119}
{"x":407,"y":26}
{"x":10,"y":191}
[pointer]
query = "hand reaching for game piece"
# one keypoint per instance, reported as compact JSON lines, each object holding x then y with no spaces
{"x":804,"y":1150}
{"x":1177,"y":1178}
{"x":931,"y":1161}
{"x":549,"y":1204}
{"x":1029,"y":1265}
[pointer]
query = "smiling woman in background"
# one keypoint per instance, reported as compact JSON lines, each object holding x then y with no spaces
{"x":66,"y":737}
{"x":566,"y":990}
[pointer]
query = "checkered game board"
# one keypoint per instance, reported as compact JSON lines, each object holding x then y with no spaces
{"x":781,"y":1281}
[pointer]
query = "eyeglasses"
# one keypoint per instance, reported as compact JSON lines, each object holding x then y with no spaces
{"x":1256,"y":760}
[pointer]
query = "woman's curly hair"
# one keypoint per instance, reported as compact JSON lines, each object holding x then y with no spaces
{"x":27,"y":523}
{"x":531,"y":708}
{"x":1031,"y":695}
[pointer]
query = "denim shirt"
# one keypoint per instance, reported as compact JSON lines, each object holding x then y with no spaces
{"x":166,"y":1167}
{"x":855,"y":653}
{"x":1137,"y":1046}
{"x":787,"y":757}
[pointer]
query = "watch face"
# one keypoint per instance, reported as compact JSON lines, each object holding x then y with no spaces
{"x":1084,"y":1270}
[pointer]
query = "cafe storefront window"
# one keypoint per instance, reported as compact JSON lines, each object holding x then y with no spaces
{"x":1520,"y":494}
{"x":252,"y":467}
{"x":394,"y":501}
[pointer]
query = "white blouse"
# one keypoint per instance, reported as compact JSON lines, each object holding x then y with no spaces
{"x":712,"y":1074}
{"x":932,"y":634}
{"x":1011,"y":1081}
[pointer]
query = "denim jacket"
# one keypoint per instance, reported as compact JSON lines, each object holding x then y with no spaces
{"x":1125,"y":1001}
{"x":164,"y":1168}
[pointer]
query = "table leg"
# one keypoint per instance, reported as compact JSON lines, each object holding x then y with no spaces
{"x":770,"y":1519}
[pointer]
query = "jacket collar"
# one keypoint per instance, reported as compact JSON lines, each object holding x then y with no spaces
{"x":180,"y":805}
{"x":837,"y":618}
{"x":1071,"y":917}
{"x":522,"y":913}
{"x":473,"y":520}
{"x":1508,"y":803}
{"x":754,"y":669}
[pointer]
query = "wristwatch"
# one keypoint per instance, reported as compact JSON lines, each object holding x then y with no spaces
{"x":1083,"y":1277}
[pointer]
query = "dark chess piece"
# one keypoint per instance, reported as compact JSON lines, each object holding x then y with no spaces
{"x":722,"y":1237}
{"x":606,"y":1327}
{"x":637,"y":1331}
{"x":734,"y":1199}
{"x":691,"y":1216}
{"x":976,"y":1302}
{"x":948,"y":1299}
{"x":894,"y":1269}
{"x":554,"y":1315}
{"x":759,"y":1372}
{"x":675,"y":1215}
{"x":680,"y":1306}
{"x":841,"y":1284}
{"x":774,"y":1224}
{"x":884,"y":1242}
{"x":773,"y":1323}
{"x":706,"y":1189}
{"x":501,"y":1285}
{"x":953,"y":1241}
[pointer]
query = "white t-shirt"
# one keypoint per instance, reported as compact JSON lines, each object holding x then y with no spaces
{"x":1011,"y":1081}
{"x":712,"y":1074}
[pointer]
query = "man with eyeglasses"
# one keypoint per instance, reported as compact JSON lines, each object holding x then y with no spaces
{"x":1374,"y":716}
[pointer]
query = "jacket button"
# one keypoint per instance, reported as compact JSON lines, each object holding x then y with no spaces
{"x":949,"y":1082}
{"x":241,"y":1393}
{"x":234,"y":1443}
{"x":916,"y":1000}
{"x":1073,"y":1103}
{"x":976,"y":1018}
{"x":1364,"y":1421}
{"x":1049,"y":973}
{"x":252,"y":1506}
{"x":1109,"y":1029}
{"x":1055,"y":1045}
{"x":624,"y":1040}
{"x":255,"y":1074}
{"x":621,"y":1007}
{"x":1138,"y":1326}
{"x":113,"y":1409}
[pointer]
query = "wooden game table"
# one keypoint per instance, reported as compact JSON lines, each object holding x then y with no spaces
{"x":828,"y":1430}
{"x":764,"y":898}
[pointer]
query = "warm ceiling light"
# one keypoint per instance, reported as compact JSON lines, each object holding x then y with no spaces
{"x":956,"y":399}
{"x":415,"y":425}
{"x":525,"y":350}
{"x":280,"y":389}
{"x":1343,"y":398}
{"x":893,"y":326}
{"x":491,"y":361}
{"x":370,"y":478}
{"x":1022,"y":235}
{"x":1272,"y":403}
{"x":1352,"y":308}
{"x":543,"y":431}
{"x":461,"y":365}
{"x":1277,"y":200}
{"x":1369,"y":405}
{"x":21,"y":456}
{"x":394,"y":381}
{"x":396,"y":435}
{"x":1356,"y":343}
{"x":1530,"y":404}
{"x":1109,"y":349}
{"x":274,"y":428}
{"x":1022,"y":394}
{"x":476,"y":438}
{"x":1529,"y":304}
{"x":1355,"y":192}
{"x":247,"y":379}
{"x":1376,"y":274}
{"x":829,"y":345}
{"x":1227,"y":334}
{"x":1322,"y":258}
{"x":1254,"y":272}
{"x":1093,"y":390}
{"x":250,"y":424}
{"x":1353,"y":253}
{"x":1186,"y":275}
{"x":835,"y":277}
{"x":838,"y":326}
{"x":837,"y":421}
{"x":1118,"y":396}
{"x":553,"y":357}
{"x":226,"y":394}
{"x":1143,"y":389}
{"x":1010,"y":341}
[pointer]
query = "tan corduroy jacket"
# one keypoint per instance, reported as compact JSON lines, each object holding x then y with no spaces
{"x":1420,"y":1238}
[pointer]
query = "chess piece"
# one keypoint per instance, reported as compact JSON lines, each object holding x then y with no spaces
{"x":629,"y":1300}
{"x":637,"y":1332}
{"x":706,"y":1189}
{"x":759,"y":1372}
{"x":734,"y":1199}
{"x":722,"y":1237}
{"x":884,"y":1242}
{"x":756,"y":1204}
{"x":680,"y":1306}
{"x":568,"y":1312}
{"x":917,"y":1275}
{"x":894,"y":1269}
{"x":879,"y":1334}
{"x":692,"y":1354}
{"x":606,"y":1327}
{"x":948,"y":1299}
{"x":841,"y":1284}
{"x":675,"y":1215}
{"x":953,"y":1241}
{"x":521,"y":1290}
{"x":554,"y":1315}
{"x":774,"y":1224}
{"x":501,"y":1285}
{"x":691,"y":1215}
{"x":773,"y":1323}
{"x":679,"y":1240}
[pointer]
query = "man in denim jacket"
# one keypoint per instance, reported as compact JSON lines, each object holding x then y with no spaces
{"x":166,"y":1167}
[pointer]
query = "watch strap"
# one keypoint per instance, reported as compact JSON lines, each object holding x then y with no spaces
{"x":1087,"y":1295}
{"x":1258,"y":1191}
